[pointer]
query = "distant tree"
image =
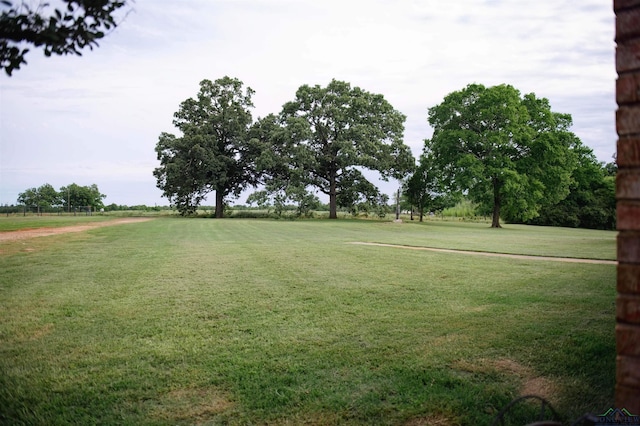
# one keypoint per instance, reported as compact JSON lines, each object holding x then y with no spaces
{"x":62,"y":30}
{"x":381,"y":206}
{"x":49,"y":196}
{"x":260,"y":199}
{"x":214,"y":152}
{"x":512,"y":154}
{"x":42,"y":197}
{"x":29,"y":197}
{"x":9,"y":209}
{"x":327,"y":133}
{"x":423,"y":188}
{"x":611,"y":169}
{"x":76,"y":196}
{"x":355,"y":193}
{"x":305,"y":200}
{"x":591,"y":202}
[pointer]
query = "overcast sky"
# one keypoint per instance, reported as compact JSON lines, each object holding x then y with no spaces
{"x":97,"y":118}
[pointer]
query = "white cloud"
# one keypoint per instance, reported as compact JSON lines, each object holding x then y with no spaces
{"x":105,"y":110}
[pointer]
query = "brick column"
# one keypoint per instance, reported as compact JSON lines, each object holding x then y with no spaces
{"x":628,"y":205}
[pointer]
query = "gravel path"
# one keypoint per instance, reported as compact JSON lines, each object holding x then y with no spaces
{"x":484,"y":253}
{"x":43,"y":232}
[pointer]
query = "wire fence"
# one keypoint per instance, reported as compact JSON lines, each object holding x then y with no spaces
{"x":47,"y":211}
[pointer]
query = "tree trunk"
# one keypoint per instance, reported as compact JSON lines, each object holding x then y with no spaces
{"x":421,"y":213}
{"x":495,"y":223}
{"x":333,"y":202}
{"x":219,"y":205}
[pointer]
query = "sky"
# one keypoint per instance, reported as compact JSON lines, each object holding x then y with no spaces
{"x":96,"y":119}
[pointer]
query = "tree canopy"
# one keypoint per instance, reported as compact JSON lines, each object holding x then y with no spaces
{"x":591,"y":202}
{"x":423,"y":188}
{"x":328,"y":134}
{"x":45,"y":196}
{"x":510,"y":153}
{"x":81,"y":196}
{"x":63,"y":30}
{"x":214,"y":152}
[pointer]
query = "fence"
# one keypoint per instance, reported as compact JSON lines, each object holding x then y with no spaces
{"x":46,"y":211}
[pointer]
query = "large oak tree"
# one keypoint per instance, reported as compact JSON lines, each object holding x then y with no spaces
{"x":214,"y":152}
{"x":330,"y":133}
{"x":510,"y":153}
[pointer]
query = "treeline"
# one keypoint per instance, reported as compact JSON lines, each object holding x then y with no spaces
{"x":68,"y":198}
{"x":320,"y":142}
{"x":515,"y":159}
{"x":59,"y":208}
{"x":591,"y":202}
{"x":509,"y":154}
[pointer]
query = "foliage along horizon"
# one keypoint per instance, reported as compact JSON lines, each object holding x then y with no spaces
{"x":504,"y":152}
{"x":514,"y":157}
{"x":319,"y":140}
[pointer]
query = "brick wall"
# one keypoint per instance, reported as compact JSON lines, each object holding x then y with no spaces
{"x":628,"y":207}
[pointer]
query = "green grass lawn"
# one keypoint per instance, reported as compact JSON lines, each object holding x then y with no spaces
{"x":202,"y":321}
{"x":14,"y":223}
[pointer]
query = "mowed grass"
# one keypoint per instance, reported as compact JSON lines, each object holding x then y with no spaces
{"x":202,"y":321}
{"x":17,"y":222}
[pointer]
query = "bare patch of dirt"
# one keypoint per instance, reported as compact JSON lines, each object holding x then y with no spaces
{"x":41,"y":332}
{"x":432,"y":420}
{"x":531,"y":383}
{"x":44,"y":232}
{"x":539,"y":386}
{"x":29,"y":334}
{"x":484,"y":253}
{"x":192,"y":405}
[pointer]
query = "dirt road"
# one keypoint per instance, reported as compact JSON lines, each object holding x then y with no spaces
{"x":484,"y":253}
{"x":43,"y":232}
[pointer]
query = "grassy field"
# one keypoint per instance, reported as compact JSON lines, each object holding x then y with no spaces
{"x":14,"y":223}
{"x":201,"y":321}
